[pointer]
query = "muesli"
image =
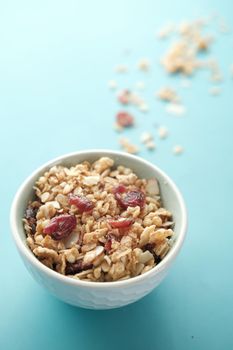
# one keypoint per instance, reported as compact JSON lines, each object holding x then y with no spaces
{"x":97,"y":222}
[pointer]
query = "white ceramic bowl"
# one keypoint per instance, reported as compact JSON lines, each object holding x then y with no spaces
{"x":100,"y":295}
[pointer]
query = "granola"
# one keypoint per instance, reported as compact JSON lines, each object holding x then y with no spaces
{"x":97,"y":222}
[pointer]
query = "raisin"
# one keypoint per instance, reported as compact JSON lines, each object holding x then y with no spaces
{"x":76,"y":267}
{"x":82,"y":203}
{"x":150,"y":247}
{"x":60,"y":226}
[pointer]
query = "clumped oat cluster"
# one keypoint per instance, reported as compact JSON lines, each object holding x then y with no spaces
{"x":97,"y":222}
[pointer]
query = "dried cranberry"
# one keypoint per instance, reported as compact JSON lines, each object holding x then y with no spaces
{"x":76,"y":267}
{"x":108,"y":245}
{"x":60,"y":226}
{"x":82,"y":203}
{"x":131,"y":199}
{"x":119,"y":189}
{"x":124,"y":119}
{"x":121,"y":223}
{"x":110,"y":238}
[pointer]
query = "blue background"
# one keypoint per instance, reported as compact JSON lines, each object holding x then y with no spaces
{"x":55,"y":61}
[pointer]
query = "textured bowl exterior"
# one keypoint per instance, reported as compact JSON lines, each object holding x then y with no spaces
{"x":95,"y":298}
{"x":97,"y":295}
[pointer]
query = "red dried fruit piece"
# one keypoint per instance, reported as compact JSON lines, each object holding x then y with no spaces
{"x":60,"y":226}
{"x":131,"y":199}
{"x":119,"y":189}
{"x":121,"y":223}
{"x":82,"y":203}
{"x":124,"y":119}
{"x":124,"y":97}
{"x":108,"y":245}
{"x":110,"y":238}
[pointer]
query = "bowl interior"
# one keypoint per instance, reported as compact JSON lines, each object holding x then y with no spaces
{"x":171,"y":197}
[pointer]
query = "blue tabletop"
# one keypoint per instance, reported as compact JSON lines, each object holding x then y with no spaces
{"x":55,"y":63}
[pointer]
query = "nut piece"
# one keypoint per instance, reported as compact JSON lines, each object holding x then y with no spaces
{"x":145,"y":236}
{"x":90,"y":256}
{"x":91,"y":180}
{"x":145,"y":257}
{"x":152,"y":187}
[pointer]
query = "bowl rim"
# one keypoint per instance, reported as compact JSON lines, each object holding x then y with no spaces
{"x":27,"y":253}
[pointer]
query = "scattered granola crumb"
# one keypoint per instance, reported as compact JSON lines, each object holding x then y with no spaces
{"x":150,"y":145}
{"x":176,"y":109}
{"x":189,"y":53}
{"x":167,"y":94}
{"x":127,"y":97}
{"x":215,"y":72}
{"x":137,"y":100}
{"x":128,"y":146}
{"x":163,"y":132}
{"x":178,"y":150}
{"x":112,"y":84}
{"x":182,"y":56}
{"x":140,"y":85}
{"x":165,"y":31}
{"x":117,"y":127}
{"x":215,"y":90}
{"x":216,"y":76}
{"x":121,"y":68}
{"x":124,"y":97}
{"x":143,"y":64}
{"x":143,"y":107}
{"x":146,"y":137}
